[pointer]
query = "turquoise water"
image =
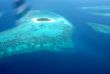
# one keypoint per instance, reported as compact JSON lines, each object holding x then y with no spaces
{"x":92,"y":37}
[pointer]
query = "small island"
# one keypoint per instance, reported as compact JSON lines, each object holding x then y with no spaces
{"x":43,"y":19}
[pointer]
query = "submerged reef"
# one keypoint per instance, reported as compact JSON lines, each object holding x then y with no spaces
{"x":38,"y":30}
{"x":100,"y":27}
{"x":100,"y":14}
{"x":98,"y":10}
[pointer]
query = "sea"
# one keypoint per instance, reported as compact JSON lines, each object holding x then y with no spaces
{"x":92,"y":43}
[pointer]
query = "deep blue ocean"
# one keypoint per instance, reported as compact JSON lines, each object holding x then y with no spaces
{"x":93,"y":48}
